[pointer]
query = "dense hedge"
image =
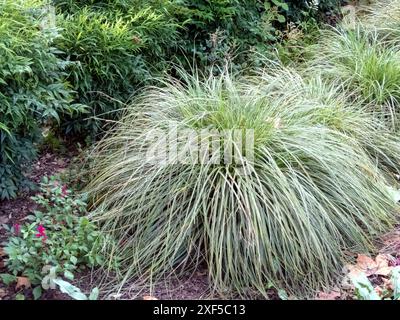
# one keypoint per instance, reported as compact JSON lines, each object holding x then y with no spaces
{"x":119,"y":46}
{"x":113,"y":50}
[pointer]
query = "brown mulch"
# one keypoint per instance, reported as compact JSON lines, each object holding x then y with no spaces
{"x":192,"y":286}
{"x":391,"y":243}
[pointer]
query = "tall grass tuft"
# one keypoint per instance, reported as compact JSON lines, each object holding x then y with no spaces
{"x":384,"y":16}
{"x":286,"y":217}
{"x":369,"y":70}
{"x":329,"y":102}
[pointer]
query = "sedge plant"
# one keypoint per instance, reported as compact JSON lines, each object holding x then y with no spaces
{"x":384,"y":16}
{"x":330,"y":103}
{"x":369,"y":70}
{"x":283,"y":216}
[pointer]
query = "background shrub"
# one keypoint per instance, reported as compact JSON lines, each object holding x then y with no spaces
{"x":323,"y":10}
{"x":109,"y":49}
{"x":238,"y":31}
{"x":33,"y":89}
{"x":114,"y":48}
{"x":119,"y":46}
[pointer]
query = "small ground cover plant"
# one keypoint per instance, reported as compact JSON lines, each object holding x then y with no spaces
{"x":58,"y":240}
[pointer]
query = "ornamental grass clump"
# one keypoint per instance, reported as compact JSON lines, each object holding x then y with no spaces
{"x":328,"y":102}
{"x":369,"y":70}
{"x":294,"y":199}
{"x":384,"y":16}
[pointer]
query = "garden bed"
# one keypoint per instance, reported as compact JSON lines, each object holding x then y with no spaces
{"x":316,"y":186}
{"x":196,"y":284}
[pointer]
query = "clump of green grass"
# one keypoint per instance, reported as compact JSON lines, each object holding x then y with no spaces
{"x":384,"y":16}
{"x":369,"y":70}
{"x":310,"y":193}
{"x":329,"y":102}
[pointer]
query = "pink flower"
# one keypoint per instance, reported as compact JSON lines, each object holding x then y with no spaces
{"x":17,"y":228}
{"x":41,"y":233}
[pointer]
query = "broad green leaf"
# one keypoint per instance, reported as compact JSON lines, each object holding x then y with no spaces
{"x":19,"y":296}
{"x":94,"y":294}
{"x":364,"y":288}
{"x":8,"y":278}
{"x":71,"y":290}
{"x":69,"y":275}
{"x":37,"y":292}
{"x":396,"y":283}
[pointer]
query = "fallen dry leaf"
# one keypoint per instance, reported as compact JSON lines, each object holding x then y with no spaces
{"x":2,"y":293}
{"x":383,"y":268}
{"x":379,"y":266}
{"x":22,"y":282}
{"x":149,"y":298}
{"x":365,"y":262}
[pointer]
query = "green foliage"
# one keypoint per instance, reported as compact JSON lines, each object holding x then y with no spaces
{"x":310,"y":193}
{"x":304,"y":9}
{"x":112,"y":52}
{"x":51,"y":141}
{"x":7,"y":279}
{"x":32,"y":87}
{"x":225,"y":30}
{"x":58,"y":240}
{"x":119,"y":46}
{"x":238,"y":31}
{"x":364,"y":289}
{"x":293,"y":47}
